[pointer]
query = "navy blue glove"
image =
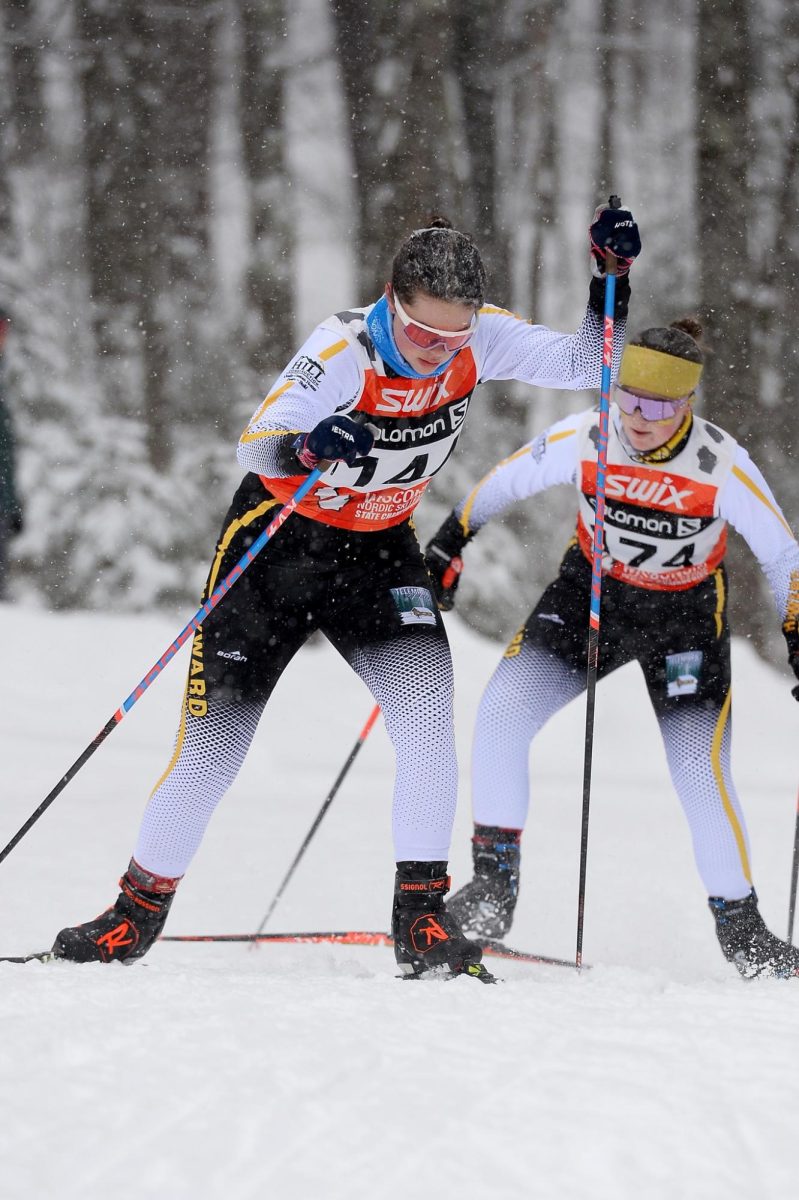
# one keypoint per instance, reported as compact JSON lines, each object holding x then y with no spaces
{"x":333,"y":440}
{"x":613,"y":228}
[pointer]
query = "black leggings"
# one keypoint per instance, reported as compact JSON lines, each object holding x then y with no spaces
{"x":369,"y":594}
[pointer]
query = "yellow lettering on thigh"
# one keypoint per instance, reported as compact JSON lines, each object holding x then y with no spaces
{"x":721,"y":599}
{"x":515,"y":645}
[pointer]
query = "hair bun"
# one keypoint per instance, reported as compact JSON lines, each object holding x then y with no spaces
{"x":439,"y":222}
{"x":691,"y":326}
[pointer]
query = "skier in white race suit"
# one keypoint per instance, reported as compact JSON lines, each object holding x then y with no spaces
{"x":674,"y":481}
{"x":377,"y":396}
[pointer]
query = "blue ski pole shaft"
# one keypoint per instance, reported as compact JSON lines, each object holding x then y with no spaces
{"x":184,"y":635}
{"x":597,"y":550}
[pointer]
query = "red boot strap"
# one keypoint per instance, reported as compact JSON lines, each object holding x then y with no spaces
{"x":138,"y":898}
{"x":513,"y":836}
{"x":158,"y":885}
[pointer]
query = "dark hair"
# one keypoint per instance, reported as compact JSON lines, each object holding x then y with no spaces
{"x":682,"y":339}
{"x":440,"y":261}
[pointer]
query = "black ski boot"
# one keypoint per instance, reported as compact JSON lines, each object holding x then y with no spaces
{"x":747,"y":942}
{"x":127,"y":930}
{"x":485,"y":906}
{"x":426,"y":937}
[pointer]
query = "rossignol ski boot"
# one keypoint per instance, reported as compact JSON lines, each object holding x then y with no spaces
{"x":427,"y":939}
{"x":746,"y":941}
{"x":127,"y":930}
{"x":484,"y":907}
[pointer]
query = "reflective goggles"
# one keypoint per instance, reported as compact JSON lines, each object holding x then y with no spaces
{"x":427,"y":338}
{"x":652,"y":409}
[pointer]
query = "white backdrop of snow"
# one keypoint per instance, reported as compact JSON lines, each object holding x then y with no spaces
{"x":300,"y":1072}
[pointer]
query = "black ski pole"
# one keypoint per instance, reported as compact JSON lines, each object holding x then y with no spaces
{"x":596,"y":578}
{"x":794,"y":869}
{"x":329,"y":798}
{"x":193,"y":625}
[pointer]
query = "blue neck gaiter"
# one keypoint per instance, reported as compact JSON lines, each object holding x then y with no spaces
{"x":378,"y":324}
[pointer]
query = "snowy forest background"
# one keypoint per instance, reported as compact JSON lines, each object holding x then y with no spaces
{"x":187,"y":188}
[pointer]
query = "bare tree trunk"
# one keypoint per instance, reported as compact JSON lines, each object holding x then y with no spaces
{"x":776,"y":263}
{"x":725,"y":155}
{"x":146,"y":96}
{"x":270,"y":334}
{"x":406,"y":117}
{"x":320,"y":166}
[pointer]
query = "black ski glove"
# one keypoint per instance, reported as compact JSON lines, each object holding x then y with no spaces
{"x":791,"y":632}
{"x":621,"y":297}
{"x":443,"y":560}
{"x":613,"y":228}
{"x":16,"y":522}
{"x":335,"y":439}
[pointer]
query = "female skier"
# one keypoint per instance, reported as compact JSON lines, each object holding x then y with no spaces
{"x":673,"y":483}
{"x":380,"y":394}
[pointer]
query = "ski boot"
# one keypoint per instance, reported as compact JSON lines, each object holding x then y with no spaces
{"x":748,"y":943}
{"x":127,"y":930}
{"x":485,"y":906}
{"x":426,"y":937}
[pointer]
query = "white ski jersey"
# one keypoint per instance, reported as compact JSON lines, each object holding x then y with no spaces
{"x":665,"y":523}
{"x":418,"y":421}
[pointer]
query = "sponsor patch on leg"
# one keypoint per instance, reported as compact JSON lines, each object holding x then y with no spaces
{"x":683,"y":673}
{"x":414,"y":605}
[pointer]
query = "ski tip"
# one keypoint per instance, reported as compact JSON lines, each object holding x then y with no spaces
{"x":479,"y":971}
{"x":42,"y":956}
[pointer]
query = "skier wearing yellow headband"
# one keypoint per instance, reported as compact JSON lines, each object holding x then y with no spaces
{"x":674,"y":482}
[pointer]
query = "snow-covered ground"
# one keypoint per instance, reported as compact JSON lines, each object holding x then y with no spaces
{"x":299,"y":1072}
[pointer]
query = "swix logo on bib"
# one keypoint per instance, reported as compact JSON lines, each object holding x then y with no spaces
{"x":412,"y":397}
{"x":653,"y":488}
